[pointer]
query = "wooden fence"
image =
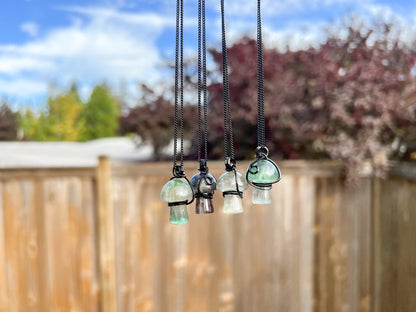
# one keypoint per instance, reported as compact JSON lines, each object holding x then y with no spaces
{"x":98,"y":239}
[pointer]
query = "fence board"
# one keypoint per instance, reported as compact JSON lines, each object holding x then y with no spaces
{"x":4,"y":300}
{"x":394,"y":248}
{"x":106,"y":238}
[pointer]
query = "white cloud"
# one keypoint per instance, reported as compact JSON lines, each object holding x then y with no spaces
{"x":295,"y":38}
{"x":30,"y":28}
{"x":109,"y":45}
{"x":278,"y":8}
{"x":299,"y":33}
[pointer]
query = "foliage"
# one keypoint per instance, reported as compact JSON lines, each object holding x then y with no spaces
{"x":346,"y":99}
{"x":152,"y":119}
{"x":8,"y":123}
{"x":28,"y":124}
{"x":60,"y":120}
{"x":100,"y":115}
{"x":66,"y":118}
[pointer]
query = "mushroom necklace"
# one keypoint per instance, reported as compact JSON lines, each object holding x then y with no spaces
{"x":263,"y":172}
{"x":203,"y":183}
{"x":231,"y":183}
{"x":178,"y":191}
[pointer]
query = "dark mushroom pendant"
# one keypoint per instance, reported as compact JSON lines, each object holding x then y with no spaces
{"x":203,"y":185}
{"x":261,"y":174}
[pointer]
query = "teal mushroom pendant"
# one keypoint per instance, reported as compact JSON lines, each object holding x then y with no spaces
{"x":261,"y":174}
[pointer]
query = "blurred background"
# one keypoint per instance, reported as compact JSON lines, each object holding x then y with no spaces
{"x":86,"y":122}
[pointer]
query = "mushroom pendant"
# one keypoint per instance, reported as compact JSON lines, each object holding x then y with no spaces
{"x":178,"y":193}
{"x":261,"y":174}
{"x":232,"y":184}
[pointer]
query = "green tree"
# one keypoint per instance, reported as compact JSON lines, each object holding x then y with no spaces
{"x":27,"y":123}
{"x":59,"y":121}
{"x":100,"y":114}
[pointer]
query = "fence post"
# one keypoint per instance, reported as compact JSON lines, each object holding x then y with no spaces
{"x":106,"y":236}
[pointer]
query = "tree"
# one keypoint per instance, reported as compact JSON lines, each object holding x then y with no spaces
{"x":100,"y":114}
{"x":28,"y":124}
{"x":346,"y":99}
{"x":8,"y":123}
{"x":58,"y":121}
{"x":61,"y":120}
{"x":152,"y":120}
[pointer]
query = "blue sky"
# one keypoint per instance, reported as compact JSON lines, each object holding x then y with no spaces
{"x":124,"y":42}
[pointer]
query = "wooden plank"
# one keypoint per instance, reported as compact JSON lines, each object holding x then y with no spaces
{"x":158,"y":224}
{"x":229,"y":254}
{"x":394,"y":257}
{"x":287,"y":271}
{"x":14,"y":220}
{"x":306,"y":206}
{"x":406,"y":254}
{"x":106,"y":237}
{"x":357,"y":207}
{"x":4,"y":292}
{"x":144,"y":295}
{"x":31,"y":263}
{"x":201,"y":260}
{"x":326,"y":250}
{"x":59,"y":256}
{"x":177,"y":263}
{"x":81,"y":235}
{"x":376,"y":262}
{"x":353,"y":231}
{"x":128,"y":261}
{"x":88,"y":256}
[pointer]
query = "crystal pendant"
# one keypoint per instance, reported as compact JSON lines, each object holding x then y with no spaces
{"x":227,"y":183}
{"x":261,"y":174}
{"x":204,"y":185}
{"x":177,"y":192}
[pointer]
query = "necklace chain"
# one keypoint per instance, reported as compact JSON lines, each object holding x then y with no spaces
{"x":261,"y":124}
{"x":179,"y":84}
{"x":202,"y":81}
{"x":228,"y":125}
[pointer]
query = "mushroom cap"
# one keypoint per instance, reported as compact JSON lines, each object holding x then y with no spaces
{"x":176,"y":190}
{"x":226,"y":182}
{"x":267,"y":172}
{"x":205,"y":187}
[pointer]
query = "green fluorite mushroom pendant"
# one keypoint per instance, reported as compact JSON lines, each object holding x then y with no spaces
{"x":232,"y":184}
{"x":261,"y":174}
{"x":178,"y":193}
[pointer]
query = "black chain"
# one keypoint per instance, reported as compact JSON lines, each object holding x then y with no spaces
{"x":228,"y":124}
{"x":182,"y":78}
{"x":199,"y":77}
{"x":261,"y":127}
{"x":204,"y":73}
{"x":179,"y":84}
{"x":202,"y":80}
